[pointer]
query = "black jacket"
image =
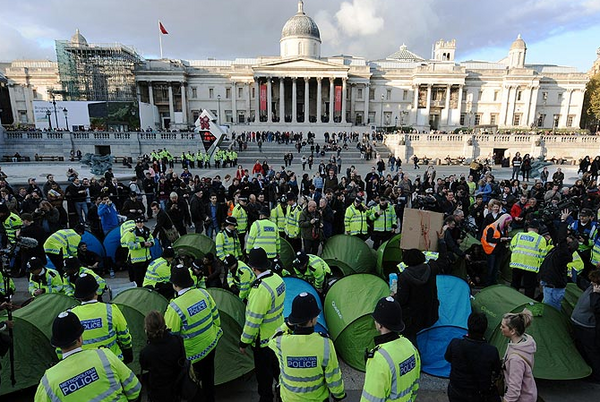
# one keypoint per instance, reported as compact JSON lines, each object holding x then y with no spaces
{"x":472,"y":363}
{"x":553,"y":270}
{"x":161,"y":358}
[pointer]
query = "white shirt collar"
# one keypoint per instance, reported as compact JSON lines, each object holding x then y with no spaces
{"x":268,"y":271}
{"x":70,"y":352}
{"x":182,"y":291}
{"x":89,"y":302}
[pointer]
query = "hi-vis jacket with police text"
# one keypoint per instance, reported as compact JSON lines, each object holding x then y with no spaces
{"x":194,"y":316}
{"x":242,"y":278}
{"x":49,"y":280}
{"x":264,"y":234}
{"x":228,"y":243}
{"x":105,"y":326}
{"x":393,"y":371}
{"x":241,"y":215}
{"x":89,"y":375}
{"x":264,"y":311}
{"x":355,"y":221}
{"x":528,"y":250}
{"x":309,"y":368}
{"x":66,"y":240}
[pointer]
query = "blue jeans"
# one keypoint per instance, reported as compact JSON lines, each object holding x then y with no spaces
{"x":553,"y":296}
{"x":211,"y":231}
{"x":79,"y":208}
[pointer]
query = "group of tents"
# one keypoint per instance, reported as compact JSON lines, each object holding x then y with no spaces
{"x":359,"y":281}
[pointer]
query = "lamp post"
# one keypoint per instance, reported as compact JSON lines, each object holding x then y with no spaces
{"x":55,"y":111}
{"x":382,"y":98}
{"x":554,"y":124}
{"x":219,"y":110}
{"x":65,"y":111}
{"x":49,"y":120}
{"x":396,"y":122}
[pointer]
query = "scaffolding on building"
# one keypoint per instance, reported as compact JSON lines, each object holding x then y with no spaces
{"x":96,"y":72}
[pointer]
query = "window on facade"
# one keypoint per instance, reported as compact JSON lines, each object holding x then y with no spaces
{"x":477,"y":119}
{"x":22,"y":116}
{"x":570,"y":119}
{"x":372,"y":94}
{"x":493,"y":118}
{"x":253,"y":92}
{"x":195,"y":115}
{"x":359,"y":94}
{"x":240,"y":93}
{"x":404,"y":94}
{"x":540,"y":120}
{"x":519,"y":94}
{"x":496,"y":93}
{"x":388,"y":94}
{"x":517,"y":119}
{"x":480,"y":95}
{"x":229,"y":116}
{"x":560,"y":97}
{"x":387,"y":118}
{"x":194,"y":92}
{"x":555,"y":120}
{"x":211,"y":93}
{"x":462,"y":119}
{"x":35,"y":94}
{"x":545,"y":97}
{"x":227,"y":93}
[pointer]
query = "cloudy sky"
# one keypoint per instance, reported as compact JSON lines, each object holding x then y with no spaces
{"x":562,"y":32}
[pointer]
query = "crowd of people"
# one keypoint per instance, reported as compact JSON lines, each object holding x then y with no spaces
{"x":249,"y":213}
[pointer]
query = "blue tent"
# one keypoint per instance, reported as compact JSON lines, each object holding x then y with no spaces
{"x":454,"y":295}
{"x":112,"y":242}
{"x":295,"y":286}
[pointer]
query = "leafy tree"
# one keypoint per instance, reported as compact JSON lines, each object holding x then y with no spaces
{"x":591,"y":104}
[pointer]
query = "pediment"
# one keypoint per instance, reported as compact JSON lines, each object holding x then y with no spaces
{"x":299,"y":64}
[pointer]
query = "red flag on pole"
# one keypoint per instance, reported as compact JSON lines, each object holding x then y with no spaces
{"x":162,"y":28}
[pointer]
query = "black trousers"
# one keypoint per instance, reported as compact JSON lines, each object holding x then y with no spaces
{"x":57,"y":261}
{"x":138,"y":272}
{"x":295,"y":242}
{"x":267,"y":370}
{"x":311,"y":246}
{"x":380,"y":237}
{"x":205,"y":372}
{"x":528,"y":278}
{"x":587,"y":341}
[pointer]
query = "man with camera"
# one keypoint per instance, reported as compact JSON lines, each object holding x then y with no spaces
{"x":311,"y":228}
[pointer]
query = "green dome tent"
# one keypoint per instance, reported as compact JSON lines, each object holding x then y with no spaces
{"x":389,"y":255}
{"x":33,"y":351}
{"x":347,"y":255}
{"x":135,"y":303}
{"x":194,"y":245}
{"x":556,"y":357}
{"x":348,"y":307}
{"x":229,"y":362}
{"x":287,"y":254}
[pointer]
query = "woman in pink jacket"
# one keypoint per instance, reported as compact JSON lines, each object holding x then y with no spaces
{"x":518,"y":359}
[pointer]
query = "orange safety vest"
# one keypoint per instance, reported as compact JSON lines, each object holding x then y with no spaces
{"x":488,"y":248}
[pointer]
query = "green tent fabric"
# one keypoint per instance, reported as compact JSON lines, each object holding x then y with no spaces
{"x":194,"y":245}
{"x":229,"y":362}
{"x":135,"y":303}
{"x":347,"y":255}
{"x":469,"y":241}
{"x":287,"y":254}
{"x":33,"y":351}
{"x":556,"y":357}
{"x":572,"y":294}
{"x":348,"y":307}
{"x":389,"y":255}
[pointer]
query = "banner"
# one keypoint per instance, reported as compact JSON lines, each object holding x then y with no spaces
{"x":338,"y":99}
{"x":263,"y":98}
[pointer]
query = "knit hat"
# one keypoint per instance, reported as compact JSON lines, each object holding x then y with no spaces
{"x":389,"y":314}
{"x":413,"y":257}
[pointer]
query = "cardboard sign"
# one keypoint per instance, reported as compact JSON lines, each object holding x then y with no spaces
{"x":419,"y":229}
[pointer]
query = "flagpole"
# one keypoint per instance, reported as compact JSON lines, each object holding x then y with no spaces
{"x":160,"y":40}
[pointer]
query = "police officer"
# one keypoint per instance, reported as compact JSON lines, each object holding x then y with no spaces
{"x":227,"y":240}
{"x":384,"y":220}
{"x":104,"y":323}
{"x":11,"y":223}
{"x":193,"y":314}
{"x":42,"y":279}
{"x":63,"y":243}
{"x":394,"y":365}
{"x":240,"y":213}
{"x":239,"y":276}
{"x":312,"y":269}
{"x":264,"y":234}
{"x":158,"y":274}
{"x":307,"y":360}
{"x":278,"y":215}
{"x":73,"y":270}
{"x":355,"y":219}
{"x":84,"y":375}
{"x":139,"y":241}
{"x":292,"y":222}
{"x":528,"y":250}
{"x":264,"y":316}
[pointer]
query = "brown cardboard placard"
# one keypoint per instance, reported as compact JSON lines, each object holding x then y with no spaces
{"x":419,"y":229}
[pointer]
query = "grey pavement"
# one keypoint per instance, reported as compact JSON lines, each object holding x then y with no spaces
{"x":243,"y":389}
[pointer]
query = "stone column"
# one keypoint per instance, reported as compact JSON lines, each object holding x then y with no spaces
{"x":344,"y":99}
{"x":281,"y":100}
{"x":248,"y":101}
{"x":366,"y":95}
{"x":533,"y":106}
{"x":416,"y":90}
{"x":234,"y":102}
{"x":256,"y":100}
{"x":319,"y":99}
{"x":138,"y":92}
{"x":428,"y":107}
{"x":294,"y":101}
{"x":447,"y":105}
{"x":150,"y":93}
{"x":527,"y":110}
{"x":331,"y":99}
{"x":504,"y":106}
{"x":579,"y":101}
{"x":306,"y":99}
{"x":171,"y":106}
{"x":459,"y":106}
{"x":184,"y":106}
{"x":514,"y":106}
{"x":352,"y":103}
{"x":269,"y":101}
{"x":564,"y":113}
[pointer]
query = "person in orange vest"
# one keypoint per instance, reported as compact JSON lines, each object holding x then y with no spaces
{"x":494,"y":240}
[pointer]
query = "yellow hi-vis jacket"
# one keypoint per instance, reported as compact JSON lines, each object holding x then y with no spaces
{"x":386,"y":221}
{"x":292,"y":218}
{"x":194,"y":315}
{"x":355,"y":221}
{"x":89,"y":375}
{"x":278,"y":217}
{"x":138,"y":252}
{"x":264,"y":234}
{"x":241,"y":215}
{"x":228,"y":243}
{"x":392,"y":373}
{"x":50,"y":280}
{"x":105,"y":326}
{"x":159,"y":271}
{"x":66,"y":240}
{"x":315,"y":273}
{"x":69,"y":287}
{"x":528,"y":250}
{"x":242,"y":278}
{"x":309,"y":368}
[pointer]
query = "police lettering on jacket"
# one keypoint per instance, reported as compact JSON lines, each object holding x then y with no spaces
{"x":79,"y":381}
{"x":302,"y":362}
